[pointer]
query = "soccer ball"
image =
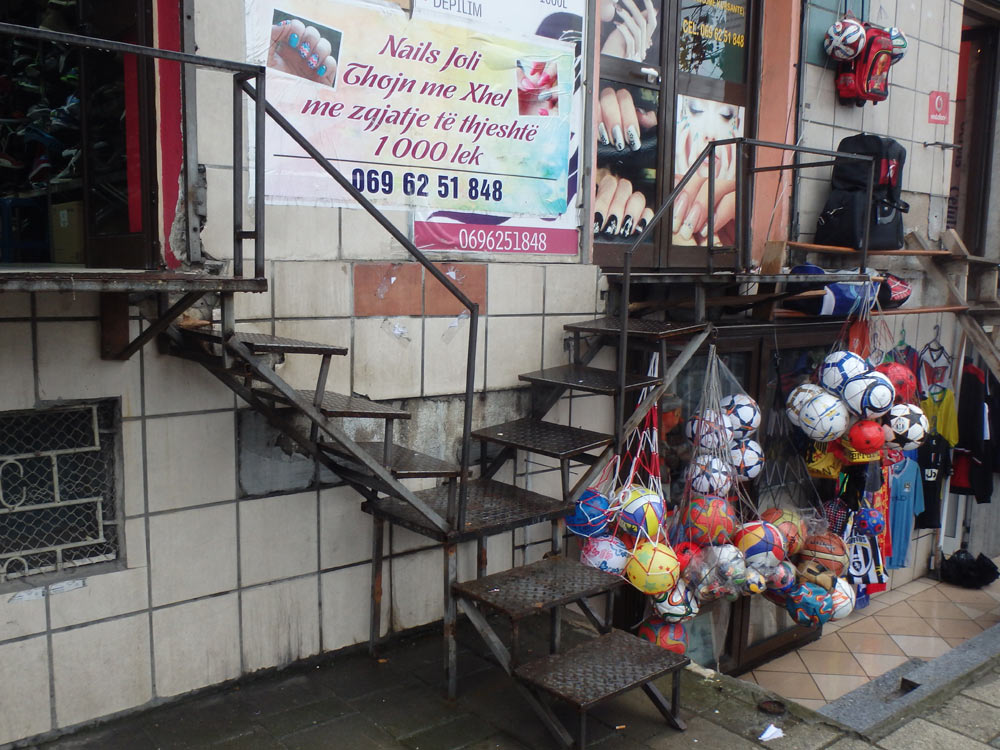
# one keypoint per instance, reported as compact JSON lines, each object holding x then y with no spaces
{"x":823,"y":418}
{"x":866,"y":436}
{"x":809,"y":605}
{"x":845,"y":39}
{"x":869,"y":395}
{"x":653,"y":568}
{"x":670,"y":636}
{"x":797,"y":398}
{"x":762,"y":545}
{"x":677,"y":604}
{"x":708,"y":520}
{"x":905,"y":427}
{"x":748,"y":459}
{"x":898,"y":39}
{"x":743,"y":413}
{"x":782,"y":577}
{"x":590,"y":518}
{"x":641,"y":511}
{"x":709,"y":430}
{"x":791,"y":526}
{"x":843,"y":599}
{"x":838,"y":368}
{"x":869,"y":521}
{"x":605,"y":553}
{"x":755,"y":582}
{"x":902,"y":379}
{"x":710,"y":475}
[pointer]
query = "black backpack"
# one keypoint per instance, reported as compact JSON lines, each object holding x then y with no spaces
{"x":842,"y":220}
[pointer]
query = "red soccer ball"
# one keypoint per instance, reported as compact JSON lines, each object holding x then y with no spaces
{"x":902,"y":379}
{"x":866,"y":436}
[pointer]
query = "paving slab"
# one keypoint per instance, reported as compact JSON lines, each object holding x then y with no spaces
{"x":210,"y":719}
{"x":404,"y":711}
{"x":284,"y":691}
{"x":850,"y":743}
{"x":986,"y":689}
{"x":258,"y":739}
{"x":705,"y":733}
{"x":303,"y":717}
{"x":353,"y":731}
{"x":970,"y":717}
{"x":920,"y":734}
{"x":498,"y":742}
{"x":115,"y":737}
{"x":452,"y":735}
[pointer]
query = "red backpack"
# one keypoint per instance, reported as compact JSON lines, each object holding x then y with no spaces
{"x":866,"y":77}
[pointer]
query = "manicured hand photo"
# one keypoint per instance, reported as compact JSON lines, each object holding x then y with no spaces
{"x":302,"y":51}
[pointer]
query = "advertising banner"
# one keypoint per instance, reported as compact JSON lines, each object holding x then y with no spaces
{"x":542,"y":21}
{"x":417,"y":113}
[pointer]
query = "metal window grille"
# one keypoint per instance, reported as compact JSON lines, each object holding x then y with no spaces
{"x":58,"y":489}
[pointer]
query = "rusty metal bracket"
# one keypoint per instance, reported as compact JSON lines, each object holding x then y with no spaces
{"x":115,"y":343}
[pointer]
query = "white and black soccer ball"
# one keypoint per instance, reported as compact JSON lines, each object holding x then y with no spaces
{"x":839,"y":367}
{"x":709,"y":429}
{"x":748,"y":459}
{"x":899,"y":44}
{"x":824,"y":417}
{"x":905,"y":427}
{"x":743,"y":413}
{"x":870,"y":395}
{"x":710,"y":475}
{"x":799,"y":396}
{"x":845,"y":39}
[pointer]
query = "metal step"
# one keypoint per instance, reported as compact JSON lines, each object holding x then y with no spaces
{"x":493,"y":507}
{"x":546,"y":438}
{"x":408,"y":464}
{"x":591,"y":379}
{"x":651,"y":329}
{"x":262,"y":343}
{"x":338,"y":405}
{"x":599,"y":669}
{"x":543,"y":585}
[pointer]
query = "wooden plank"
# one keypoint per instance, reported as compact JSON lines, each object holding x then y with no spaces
{"x":827,"y":249}
{"x":770,"y":264}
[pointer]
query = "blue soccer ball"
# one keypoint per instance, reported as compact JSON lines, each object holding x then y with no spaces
{"x":590,"y":517}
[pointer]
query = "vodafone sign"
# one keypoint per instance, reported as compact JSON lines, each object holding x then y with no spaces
{"x":938,"y":108}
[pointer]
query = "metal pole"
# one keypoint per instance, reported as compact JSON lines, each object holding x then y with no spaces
{"x":470,"y":385}
{"x":745,"y":258}
{"x":711,"y":208}
{"x":237,"y":176}
{"x":622,"y":347}
{"x":260,"y":121}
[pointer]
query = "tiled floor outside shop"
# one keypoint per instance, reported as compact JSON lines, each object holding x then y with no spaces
{"x":923,"y":618}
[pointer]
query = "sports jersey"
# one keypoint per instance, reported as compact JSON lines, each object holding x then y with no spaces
{"x":934,"y":459}
{"x":904,"y":355}
{"x":906,"y":500}
{"x":939,"y":406}
{"x":935,"y":367}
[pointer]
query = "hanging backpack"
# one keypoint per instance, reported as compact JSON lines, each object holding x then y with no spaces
{"x":842,"y":221}
{"x":866,"y":77}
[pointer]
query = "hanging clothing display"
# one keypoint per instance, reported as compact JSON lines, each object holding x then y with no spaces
{"x":906,"y":500}
{"x":939,"y":407}
{"x":905,"y":355}
{"x":935,"y":367}
{"x":973,"y":460}
{"x":934,"y":459}
{"x":880,"y":501}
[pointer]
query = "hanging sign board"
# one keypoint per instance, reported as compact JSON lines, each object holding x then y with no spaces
{"x":416,"y":113}
{"x":938,"y":107}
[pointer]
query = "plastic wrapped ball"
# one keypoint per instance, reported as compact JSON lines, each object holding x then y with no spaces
{"x":845,"y":39}
{"x":755,"y":583}
{"x":844,"y":597}
{"x":641,"y":511}
{"x":676,"y":605}
{"x":685,"y":551}
{"x":666,"y":635}
{"x":605,"y":553}
{"x":813,"y":571}
{"x":782,"y":577}
{"x":791,"y":526}
{"x":761,"y":543}
{"x":709,"y":519}
{"x":866,"y":436}
{"x":798,"y":398}
{"x":590,"y":517}
{"x":902,"y":379}
{"x":828,"y":549}
{"x":869,"y":521}
{"x":653,"y":568}
{"x":809,"y":605}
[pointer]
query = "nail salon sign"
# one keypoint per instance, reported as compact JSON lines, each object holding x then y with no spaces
{"x":415,"y":113}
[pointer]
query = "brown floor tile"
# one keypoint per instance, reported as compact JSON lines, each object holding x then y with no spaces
{"x":835,"y":685}
{"x":900,"y":610}
{"x":920,"y":645}
{"x":988,"y":621}
{"x":791,"y":685}
{"x":965,"y":596}
{"x":955,"y":628}
{"x":973,"y":612}
{"x":787,"y":663}
{"x":831,"y":662}
{"x":930,"y":595}
{"x":867,"y":625}
{"x":891,"y":597}
{"x":905,"y":625}
{"x":955,"y":641}
{"x":941,"y":610}
{"x":876,"y":664}
{"x":830,"y":642}
{"x":814,"y":705}
{"x":915,"y":587}
{"x":748,"y":677}
{"x":870,"y":643}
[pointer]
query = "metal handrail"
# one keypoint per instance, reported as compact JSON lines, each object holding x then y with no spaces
{"x":241,"y":72}
{"x":742,"y":234}
{"x":470,"y":374}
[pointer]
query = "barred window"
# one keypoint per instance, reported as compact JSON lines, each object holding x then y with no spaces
{"x":58,"y":488}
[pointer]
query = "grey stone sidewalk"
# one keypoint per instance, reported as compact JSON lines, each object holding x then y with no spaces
{"x":357,"y":703}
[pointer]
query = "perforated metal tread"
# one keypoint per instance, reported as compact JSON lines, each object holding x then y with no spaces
{"x":546,"y":438}
{"x":590,"y":379}
{"x":493,"y":507}
{"x":339,"y":405}
{"x":654,"y":329}
{"x":599,"y":669}
{"x":262,"y":342}
{"x":408,"y":464}
{"x":543,"y":585}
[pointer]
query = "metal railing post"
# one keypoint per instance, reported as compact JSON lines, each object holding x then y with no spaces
{"x":711,"y":207}
{"x":260,"y":125}
{"x":470,"y":386}
{"x":623,"y":350}
{"x":237,"y":175}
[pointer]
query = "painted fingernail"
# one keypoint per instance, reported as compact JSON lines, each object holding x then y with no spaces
{"x":284,"y":23}
{"x":313,"y":62}
{"x":293,"y":39}
{"x":304,"y":50}
{"x":633,"y":137}
{"x":612,"y":227}
{"x":602,"y":134}
{"x":640,"y":226}
{"x":598,"y":222}
{"x":693,"y":217}
{"x":680,"y":210}
{"x":616,"y":134}
{"x":626,"y":229}
{"x":321,"y":71}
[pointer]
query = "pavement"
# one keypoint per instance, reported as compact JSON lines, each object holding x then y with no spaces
{"x":350,"y":700}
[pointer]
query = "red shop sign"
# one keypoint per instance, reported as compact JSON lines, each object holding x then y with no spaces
{"x":938,"y":108}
